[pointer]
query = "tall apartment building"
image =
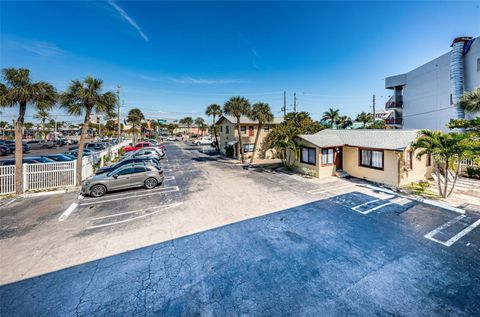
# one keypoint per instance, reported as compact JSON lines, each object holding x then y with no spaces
{"x":426,"y":97}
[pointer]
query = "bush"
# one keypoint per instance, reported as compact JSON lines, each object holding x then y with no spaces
{"x":473,"y":171}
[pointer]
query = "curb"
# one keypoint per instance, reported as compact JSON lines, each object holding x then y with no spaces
{"x":420,"y":199}
{"x":47,"y":193}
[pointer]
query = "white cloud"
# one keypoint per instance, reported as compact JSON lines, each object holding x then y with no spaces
{"x":127,"y":18}
{"x":191,"y":80}
{"x":37,"y":47}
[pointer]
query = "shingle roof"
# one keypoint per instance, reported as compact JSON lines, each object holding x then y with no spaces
{"x":381,"y":139}
{"x":247,"y":120}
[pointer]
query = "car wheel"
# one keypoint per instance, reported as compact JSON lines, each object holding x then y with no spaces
{"x":150,"y":183}
{"x":98,"y":191}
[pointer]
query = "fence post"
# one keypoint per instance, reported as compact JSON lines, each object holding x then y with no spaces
{"x":24,"y":174}
{"x":75,"y":173}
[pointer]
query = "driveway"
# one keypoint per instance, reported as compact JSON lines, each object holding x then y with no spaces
{"x":235,"y":242}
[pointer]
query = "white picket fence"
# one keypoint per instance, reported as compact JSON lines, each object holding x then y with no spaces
{"x":45,"y":176}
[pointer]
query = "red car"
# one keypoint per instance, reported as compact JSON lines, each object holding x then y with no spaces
{"x":138,"y":146}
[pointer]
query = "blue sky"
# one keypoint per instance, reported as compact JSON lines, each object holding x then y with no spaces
{"x":172,"y":59}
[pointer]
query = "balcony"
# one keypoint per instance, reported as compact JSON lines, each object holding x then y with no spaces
{"x":394,"y":121}
{"x":394,"y":102}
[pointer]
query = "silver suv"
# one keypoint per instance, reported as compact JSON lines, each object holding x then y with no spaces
{"x":129,"y":176}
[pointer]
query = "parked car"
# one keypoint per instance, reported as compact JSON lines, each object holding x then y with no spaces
{"x":4,"y":150}
{"x":41,"y":144}
{"x":172,"y":138}
{"x":202,"y":141}
{"x":147,"y":152}
{"x":128,"y":176}
{"x":59,"y":157}
{"x":26,"y":160}
{"x":137,"y":146}
{"x":61,"y":142}
{"x":11,"y":145}
{"x":86,"y":152}
{"x":126,"y":161}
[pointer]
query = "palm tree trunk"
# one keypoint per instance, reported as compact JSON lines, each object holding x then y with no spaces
{"x":459,"y":166}
{"x":446,"y":179}
{"x":19,"y":149}
{"x":256,"y":141}
{"x":215,"y":134}
{"x":81,"y":144}
{"x":240,"y":143}
{"x":439,"y":183}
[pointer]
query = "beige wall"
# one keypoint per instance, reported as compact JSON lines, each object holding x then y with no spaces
{"x":420,"y":170}
{"x":224,"y":137}
{"x":300,"y":167}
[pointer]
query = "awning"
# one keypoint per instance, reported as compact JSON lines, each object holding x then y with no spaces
{"x":232,"y":142}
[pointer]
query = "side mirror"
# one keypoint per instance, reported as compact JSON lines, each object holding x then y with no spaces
{"x":115,"y":176}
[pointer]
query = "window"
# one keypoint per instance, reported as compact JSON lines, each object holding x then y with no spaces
{"x":266,"y":128}
{"x":221,"y":128}
{"x":243,"y":129}
{"x":451,"y":99}
{"x":327,"y":156}
{"x":409,"y":161}
{"x":371,"y":158}
{"x":478,"y":64}
{"x":138,"y":169}
{"x":125,"y":171}
{"x":429,"y":160}
{"x":247,"y":148}
{"x":227,"y":129}
{"x":308,"y":155}
{"x":250,"y":130}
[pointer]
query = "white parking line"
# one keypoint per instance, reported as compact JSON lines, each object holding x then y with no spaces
{"x":157,"y":210}
{"x":131,"y":195}
{"x":456,"y":237}
{"x":132,"y":212}
{"x":67,"y":212}
{"x":371,"y":209}
{"x":169,"y":178}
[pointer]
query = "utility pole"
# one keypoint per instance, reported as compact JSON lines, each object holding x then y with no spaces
{"x":119,"y":132}
{"x":284,"y":103}
{"x":373,"y":105}
{"x":294,"y":102}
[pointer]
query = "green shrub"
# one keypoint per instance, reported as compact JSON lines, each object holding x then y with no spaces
{"x":473,"y":171}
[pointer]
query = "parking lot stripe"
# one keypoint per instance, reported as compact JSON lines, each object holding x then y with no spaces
{"x":445,"y":225}
{"x":148,"y":193}
{"x":131,"y":212}
{"x":67,"y":212}
{"x":456,"y":237}
{"x":375,"y":208}
{"x":157,"y":210}
{"x":169,"y":178}
{"x":368,"y":202}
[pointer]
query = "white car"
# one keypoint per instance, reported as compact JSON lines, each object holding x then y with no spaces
{"x":202,"y":141}
{"x":144,"y":152}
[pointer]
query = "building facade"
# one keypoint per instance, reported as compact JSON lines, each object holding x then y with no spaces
{"x":228,"y":136}
{"x":426,"y":97}
{"x":382,"y":156}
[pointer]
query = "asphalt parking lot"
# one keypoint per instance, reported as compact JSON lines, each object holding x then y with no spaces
{"x":218,"y":240}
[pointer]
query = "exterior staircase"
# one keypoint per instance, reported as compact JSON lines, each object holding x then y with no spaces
{"x":342,"y":174}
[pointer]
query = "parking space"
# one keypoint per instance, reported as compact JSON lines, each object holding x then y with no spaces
{"x":213,"y":226}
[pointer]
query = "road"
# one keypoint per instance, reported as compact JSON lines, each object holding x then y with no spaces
{"x":218,"y":240}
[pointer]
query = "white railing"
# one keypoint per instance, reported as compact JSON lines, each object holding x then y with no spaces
{"x":53,"y":175}
{"x":7,"y":180}
{"x":49,"y":175}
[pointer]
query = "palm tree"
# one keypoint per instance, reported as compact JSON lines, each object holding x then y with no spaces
{"x":262,"y":113}
{"x":200,"y":122}
{"x":237,"y":107}
{"x":84,"y":97}
{"x":364,"y":118}
{"x":188,"y":121}
{"x":18,"y":89}
{"x":331,"y":115}
{"x":343,"y":122}
{"x":445,"y":149}
{"x":42,"y":115}
{"x":470,"y":101}
{"x":135,"y":117}
{"x":213,"y":111}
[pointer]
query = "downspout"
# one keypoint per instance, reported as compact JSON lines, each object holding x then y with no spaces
{"x":457,"y":74}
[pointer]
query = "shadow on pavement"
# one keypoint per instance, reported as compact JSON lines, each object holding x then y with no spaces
{"x":320,"y":258}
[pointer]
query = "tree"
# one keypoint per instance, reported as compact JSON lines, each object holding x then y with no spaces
{"x":364,"y":118}
{"x":171,"y":127}
{"x":213,"y":111}
{"x":343,"y":122}
{"x":237,"y":107}
{"x":378,"y":124}
{"x":42,"y":115}
{"x":200,"y":122}
{"x":262,"y":114}
{"x":470,"y":101}
{"x":187,"y":121}
{"x":282,"y":137}
{"x":472,"y":125}
{"x":331,"y":116}
{"x":135,"y":117}
{"x":446,"y":149}
{"x":84,"y":97}
{"x":18,"y":89}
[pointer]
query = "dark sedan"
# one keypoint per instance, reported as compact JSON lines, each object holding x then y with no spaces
{"x":59,"y":157}
{"x":27,"y":160}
